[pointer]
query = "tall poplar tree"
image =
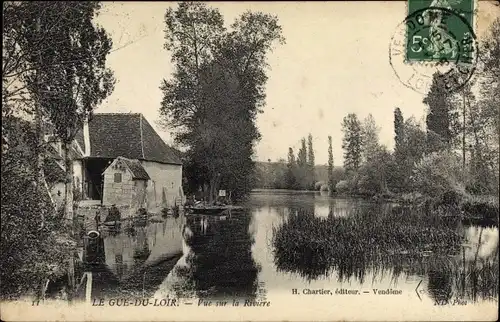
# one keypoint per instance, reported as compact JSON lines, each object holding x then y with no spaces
{"x":398,"y":132}
{"x":331,"y":184}
{"x":370,"y":141}
{"x":290,"y":180}
{"x":302,"y":155}
{"x":440,"y":116}
{"x":302,"y":167}
{"x":311,"y":161}
{"x":352,"y":143}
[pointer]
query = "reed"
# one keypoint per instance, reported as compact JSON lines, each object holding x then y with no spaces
{"x":359,"y":240}
{"x":399,"y":242}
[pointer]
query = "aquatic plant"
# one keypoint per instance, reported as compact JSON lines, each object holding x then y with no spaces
{"x":402,"y":241}
{"x":357,"y":240}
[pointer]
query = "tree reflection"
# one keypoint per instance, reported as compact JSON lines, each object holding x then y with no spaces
{"x":221,"y":263}
{"x":384,"y":243}
{"x":440,"y":285}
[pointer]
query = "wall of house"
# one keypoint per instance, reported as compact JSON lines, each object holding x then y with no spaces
{"x":78,"y":174}
{"x":119,"y":193}
{"x":139,"y":194}
{"x":57,"y":192}
{"x":165,"y":184}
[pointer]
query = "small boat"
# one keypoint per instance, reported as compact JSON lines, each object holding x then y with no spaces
{"x":112,"y":224}
{"x":210,"y":210}
{"x":205,"y":210}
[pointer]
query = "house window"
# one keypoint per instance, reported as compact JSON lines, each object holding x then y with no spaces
{"x":118,"y":177}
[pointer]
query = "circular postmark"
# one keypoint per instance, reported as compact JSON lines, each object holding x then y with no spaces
{"x":434,"y":44}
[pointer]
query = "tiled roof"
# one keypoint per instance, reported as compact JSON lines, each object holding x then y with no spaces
{"x":138,"y":171}
{"x":53,"y":153}
{"x":127,"y":135}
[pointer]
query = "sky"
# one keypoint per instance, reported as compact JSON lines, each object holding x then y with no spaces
{"x":335,"y":61}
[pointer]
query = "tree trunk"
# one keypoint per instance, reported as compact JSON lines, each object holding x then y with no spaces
{"x":211,"y":191}
{"x":40,"y":139}
{"x":68,"y":189}
{"x":214,"y":189}
{"x":71,"y":277}
{"x":463,"y":136}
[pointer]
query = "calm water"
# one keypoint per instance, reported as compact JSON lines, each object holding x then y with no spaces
{"x":234,"y":257}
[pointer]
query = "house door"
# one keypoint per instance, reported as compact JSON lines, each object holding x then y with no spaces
{"x":94,"y":168}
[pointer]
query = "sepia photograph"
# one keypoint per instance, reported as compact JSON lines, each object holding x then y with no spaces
{"x":250,"y":161}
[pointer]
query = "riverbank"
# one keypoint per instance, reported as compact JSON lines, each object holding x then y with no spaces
{"x":482,"y":209}
{"x":479,"y":209}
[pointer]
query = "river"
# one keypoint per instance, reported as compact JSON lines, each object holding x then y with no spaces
{"x":234,"y":257}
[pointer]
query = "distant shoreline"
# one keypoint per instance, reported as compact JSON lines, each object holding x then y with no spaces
{"x":282,"y":190}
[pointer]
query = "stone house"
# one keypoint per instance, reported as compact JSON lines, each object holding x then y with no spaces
{"x":125,"y":183}
{"x":125,"y":162}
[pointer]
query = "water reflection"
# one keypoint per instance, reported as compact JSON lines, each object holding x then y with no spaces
{"x":211,"y":257}
{"x":468,"y":273}
{"x":440,"y":285}
{"x":137,"y":259}
{"x":217,"y":260}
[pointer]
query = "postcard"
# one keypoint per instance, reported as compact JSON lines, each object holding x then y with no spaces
{"x":250,"y":161}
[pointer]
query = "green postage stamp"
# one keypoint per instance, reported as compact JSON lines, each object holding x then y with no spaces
{"x":436,"y":38}
{"x":440,"y":30}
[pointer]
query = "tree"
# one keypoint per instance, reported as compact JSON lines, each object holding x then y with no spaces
{"x":351,"y":143}
{"x":279,"y":173}
{"x":414,"y":149}
{"x":370,"y":141}
{"x":440,"y":117}
{"x":33,"y":248}
{"x":216,"y":91}
{"x":331,"y":183}
{"x":302,"y":155}
{"x":66,"y":78}
{"x":399,"y":173}
{"x":22,"y":20}
{"x":302,"y":172}
{"x":483,"y":120}
{"x":310,"y":161}
{"x":374,"y":172}
{"x":71,"y":91}
{"x":290,"y":180}
{"x":398,"y":132}
{"x":437,"y":173}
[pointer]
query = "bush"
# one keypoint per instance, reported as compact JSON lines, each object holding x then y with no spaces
{"x":342,"y":186}
{"x":32,"y":244}
{"x":324,"y":187}
{"x":437,"y":173}
{"x":483,"y":207}
{"x":318,"y":185}
{"x":31,"y":252}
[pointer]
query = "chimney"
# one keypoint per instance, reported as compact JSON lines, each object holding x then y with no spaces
{"x":86,"y":137}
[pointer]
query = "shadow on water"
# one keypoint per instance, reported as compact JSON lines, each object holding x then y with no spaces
{"x":283,"y":241}
{"x":131,"y":263}
{"x":458,"y":263}
{"x":219,"y":261}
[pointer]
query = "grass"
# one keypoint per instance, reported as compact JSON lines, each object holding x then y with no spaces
{"x":402,"y":241}
{"x":362,"y":238}
{"x":482,"y":208}
{"x":396,"y":231}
